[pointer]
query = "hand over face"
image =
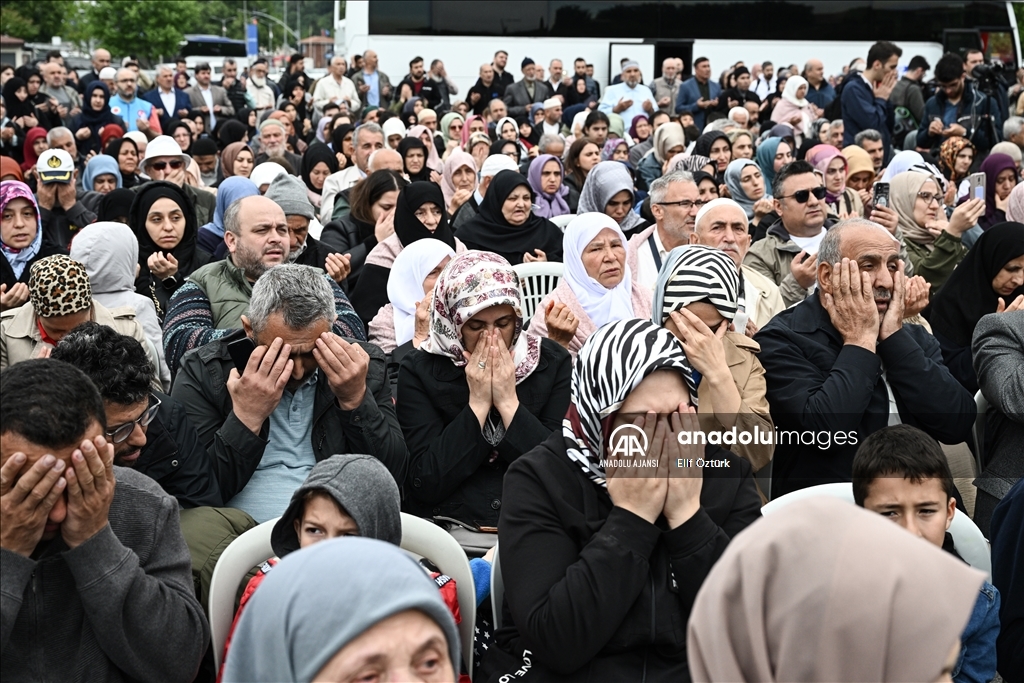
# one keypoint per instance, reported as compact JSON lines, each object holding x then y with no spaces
{"x":345,"y":365}
{"x":90,"y":491}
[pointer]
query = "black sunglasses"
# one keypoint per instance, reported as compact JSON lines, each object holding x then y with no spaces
{"x":176,"y":164}
{"x":801,"y":196}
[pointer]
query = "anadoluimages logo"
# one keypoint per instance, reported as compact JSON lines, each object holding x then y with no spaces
{"x":628,"y":441}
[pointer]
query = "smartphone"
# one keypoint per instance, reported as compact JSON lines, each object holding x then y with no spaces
{"x":881,"y":194}
{"x":240,"y":350}
{"x":976,"y":183}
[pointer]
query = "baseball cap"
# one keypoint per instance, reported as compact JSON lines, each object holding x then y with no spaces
{"x":55,"y":166}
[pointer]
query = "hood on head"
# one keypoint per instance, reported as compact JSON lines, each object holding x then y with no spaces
{"x":109,"y":251}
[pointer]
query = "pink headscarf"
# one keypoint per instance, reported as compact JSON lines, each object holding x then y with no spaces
{"x":465,"y":128}
{"x":456,"y":160}
{"x":433,"y":160}
{"x":820,"y":156}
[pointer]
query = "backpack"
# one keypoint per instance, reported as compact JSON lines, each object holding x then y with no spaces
{"x":904,"y":123}
{"x":834,"y":110}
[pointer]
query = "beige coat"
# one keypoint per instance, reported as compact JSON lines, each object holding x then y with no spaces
{"x":769,"y":301}
{"x":748,"y":374}
{"x":20,"y":339}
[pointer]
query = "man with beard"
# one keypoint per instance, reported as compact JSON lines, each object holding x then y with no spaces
{"x":150,"y":431}
{"x":274,"y":143}
{"x":630,"y":98}
{"x":521,"y":94}
{"x":262,"y":91}
{"x":842,"y":363}
{"x":210,"y":304}
{"x":138,"y":114}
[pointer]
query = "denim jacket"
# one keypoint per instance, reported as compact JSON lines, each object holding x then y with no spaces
{"x":977,"y":660}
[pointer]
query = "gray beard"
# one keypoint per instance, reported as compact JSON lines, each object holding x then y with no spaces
{"x":249,"y":262}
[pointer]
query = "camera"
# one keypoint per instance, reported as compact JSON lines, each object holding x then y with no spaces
{"x":991,"y":78}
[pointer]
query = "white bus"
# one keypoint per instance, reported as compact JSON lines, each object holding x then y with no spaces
{"x":467,"y":34}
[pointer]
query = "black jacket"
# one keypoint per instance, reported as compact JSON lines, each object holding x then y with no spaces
{"x":47,"y":248}
{"x":60,"y":226}
{"x":494,"y":91}
{"x":978,"y":113}
{"x":429,"y":90}
{"x":372,"y":428}
{"x":834,"y":394}
{"x":175,"y":459}
{"x":342,"y":235}
{"x":450,"y":467}
{"x":594,"y":592}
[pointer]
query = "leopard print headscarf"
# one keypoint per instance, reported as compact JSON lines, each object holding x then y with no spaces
{"x":59,"y":285}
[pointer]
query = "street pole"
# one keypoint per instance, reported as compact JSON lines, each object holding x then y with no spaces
{"x":285,"y":3}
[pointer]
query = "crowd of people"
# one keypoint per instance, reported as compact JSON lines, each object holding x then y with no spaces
{"x":301,"y":303}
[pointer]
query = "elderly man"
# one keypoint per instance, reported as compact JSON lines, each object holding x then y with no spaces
{"x":305,"y":393}
{"x":872,"y":142}
{"x":290,"y":194}
{"x":666,"y":86}
{"x":90,"y":549}
{"x":233,"y":85}
{"x":556,"y":80}
{"x":373,"y":85}
{"x":209,"y":304}
{"x":138,"y":114}
{"x":523,"y":93}
{"x":262,"y":90}
{"x":820,"y":92}
{"x":69,"y":101}
{"x":170,"y":103}
{"x":274,"y":143}
{"x":61,"y":211}
{"x":674,"y":203}
{"x":336,"y":87}
{"x":485,"y":89}
{"x":165,"y":161}
{"x":552,"y":124}
{"x":722,"y":224}
{"x":698,"y":94}
{"x":100,"y":60}
{"x":843,"y":364}
{"x":211,"y":100}
{"x":785,"y":255}
{"x":630,"y":98}
{"x":366,"y":140}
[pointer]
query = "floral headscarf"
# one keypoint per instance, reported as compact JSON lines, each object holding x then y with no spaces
{"x":947,"y":157}
{"x":472,"y":282}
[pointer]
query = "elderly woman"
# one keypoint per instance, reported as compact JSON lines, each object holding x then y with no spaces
{"x":451,"y":130}
{"x":933,"y":243}
{"x":545,"y":176}
{"x":696,"y":298}
{"x":419,"y":214}
{"x":478,"y":393}
{"x":795,"y":109}
{"x":615,"y":149}
{"x":507,"y":226}
{"x":609,"y":190}
{"x":596,"y":288}
{"x":126,"y":152}
{"x":21,"y":240}
{"x":458,"y":181}
{"x":669,"y":140}
{"x":842,"y":202}
{"x":60,"y":299}
{"x":746,"y":186}
{"x":602,"y":562}
{"x":414,"y":159}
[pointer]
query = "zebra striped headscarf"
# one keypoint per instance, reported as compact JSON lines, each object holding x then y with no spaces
{"x":696,"y":273}
{"x":612,"y":362}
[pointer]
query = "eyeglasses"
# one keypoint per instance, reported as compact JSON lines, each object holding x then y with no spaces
{"x":802,"y":196}
{"x":928,"y":198}
{"x":685,"y":204}
{"x":161,"y":165}
{"x":120,"y":433}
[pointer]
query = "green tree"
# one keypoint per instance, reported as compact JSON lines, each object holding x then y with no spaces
{"x":145,"y":29}
{"x":34,"y":21}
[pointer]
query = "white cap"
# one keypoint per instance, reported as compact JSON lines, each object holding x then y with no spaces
{"x":496,"y":163}
{"x":108,"y":73}
{"x":55,"y":166}
{"x":164,"y":146}
{"x":552,"y":102}
{"x":266,"y":173}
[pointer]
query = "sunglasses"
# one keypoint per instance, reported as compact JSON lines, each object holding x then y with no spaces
{"x":801,"y":196}
{"x":175,"y":165}
{"x":121,"y":432}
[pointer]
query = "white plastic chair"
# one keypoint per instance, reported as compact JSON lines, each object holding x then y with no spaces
{"x":979,"y":431}
{"x":497,"y":589}
{"x":419,"y":537}
{"x":970,"y":542}
{"x":241,"y":555}
{"x":537,"y":280}
{"x":428,"y":540}
{"x":562,"y":221}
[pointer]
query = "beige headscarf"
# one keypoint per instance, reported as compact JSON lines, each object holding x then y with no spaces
{"x":822,"y":590}
{"x":665,"y":138}
{"x":903,"y":189}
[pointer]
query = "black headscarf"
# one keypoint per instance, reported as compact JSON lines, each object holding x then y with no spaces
{"x":968,"y":294}
{"x":409,"y":228}
{"x":243,"y":118}
{"x":187,"y":254}
{"x":498,"y":147}
{"x":115,"y":204}
{"x":701,"y":176}
{"x":571,"y":96}
{"x":174,"y":125}
{"x":114,"y":150}
{"x":415,"y":143}
{"x":338,"y":134}
{"x":92,"y":119}
{"x":702,"y":147}
{"x":231,"y":131}
{"x":17,"y":108}
{"x":316,"y":153}
{"x":489,"y":231}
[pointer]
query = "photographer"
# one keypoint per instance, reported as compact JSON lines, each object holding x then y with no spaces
{"x":958,"y":109}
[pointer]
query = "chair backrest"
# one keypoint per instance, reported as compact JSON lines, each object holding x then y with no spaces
{"x":497,"y":588}
{"x":967,"y":537}
{"x":562,"y":221}
{"x":434,"y":543}
{"x":241,"y":555}
{"x":537,"y":281}
{"x":979,"y":432}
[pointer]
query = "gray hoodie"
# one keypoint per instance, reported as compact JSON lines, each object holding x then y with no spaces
{"x":110,"y":253}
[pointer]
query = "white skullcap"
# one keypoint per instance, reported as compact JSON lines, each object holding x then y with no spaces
{"x":552,"y":102}
{"x":722,"y":201}
{"x":496,"y":163}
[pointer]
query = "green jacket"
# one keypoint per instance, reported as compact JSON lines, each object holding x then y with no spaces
{"x":936,"y":265}
{"x":228,"y":290}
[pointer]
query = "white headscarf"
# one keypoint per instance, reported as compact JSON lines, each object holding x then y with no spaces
{"x":405,"y":283}
{"x":903,"y":161}
{"x":602,"y":305}
{"x":789,"y":93}
{"x":393,"y":126}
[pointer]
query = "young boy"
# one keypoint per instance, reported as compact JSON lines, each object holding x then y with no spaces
{"x":901,"y":473}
